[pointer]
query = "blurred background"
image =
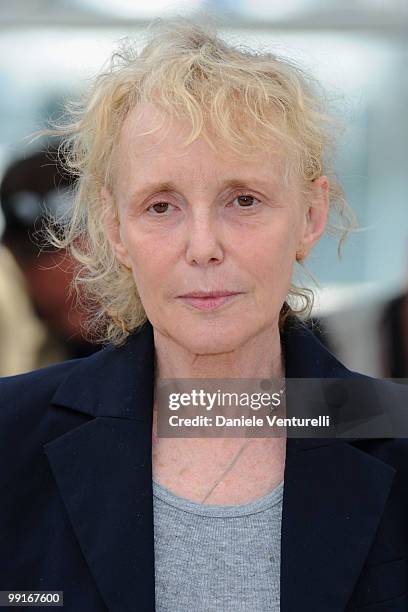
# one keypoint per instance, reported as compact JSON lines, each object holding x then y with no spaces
{"x":358,"y":49}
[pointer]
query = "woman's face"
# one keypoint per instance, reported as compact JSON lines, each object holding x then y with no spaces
{"x":192,"y":219}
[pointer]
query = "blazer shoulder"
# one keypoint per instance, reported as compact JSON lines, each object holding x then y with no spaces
{"x":388,"y":392}
{"x":23,"y":393}
{"x":48,"y":376}
{"x":392,"y":400}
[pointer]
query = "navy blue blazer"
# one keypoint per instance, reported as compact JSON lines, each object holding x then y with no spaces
{"x":76,"y":509}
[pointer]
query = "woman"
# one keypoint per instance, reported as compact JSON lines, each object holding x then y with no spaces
{"x":202,"y":180}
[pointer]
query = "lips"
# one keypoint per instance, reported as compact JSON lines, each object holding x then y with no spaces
{"x":209,"y":294}
{"x":209,"y":301}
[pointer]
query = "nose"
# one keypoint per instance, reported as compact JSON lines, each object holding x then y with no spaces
{"x":203,"y":240}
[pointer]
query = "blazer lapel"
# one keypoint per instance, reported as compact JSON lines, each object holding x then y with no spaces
{"x":104,"y":474}
{"x":334,"y":497}
{"x":334,"y":493}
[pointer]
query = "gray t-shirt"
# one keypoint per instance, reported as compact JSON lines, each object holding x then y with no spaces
{"x":212,"y":558}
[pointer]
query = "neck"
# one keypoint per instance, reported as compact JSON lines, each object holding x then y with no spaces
{"x":259,"y":357}
{"x":219,"y":470}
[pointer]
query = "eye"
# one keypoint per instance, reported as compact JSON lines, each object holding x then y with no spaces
{"x":246,"y":200}
{"x":160,"y":208}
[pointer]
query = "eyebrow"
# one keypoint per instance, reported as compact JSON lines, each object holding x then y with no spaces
{"x":158,"y":186}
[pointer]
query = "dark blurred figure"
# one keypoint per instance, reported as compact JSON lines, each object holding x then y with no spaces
{"x":39,"y":321}
{"x":395,"y":325}
{"x":369,"y":337}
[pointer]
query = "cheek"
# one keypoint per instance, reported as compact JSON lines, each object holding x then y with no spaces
{"x":150,"y":257}
{"x":269,"y":252}
{"x":269,"y":261}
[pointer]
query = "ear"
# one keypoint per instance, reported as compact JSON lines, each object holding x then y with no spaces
{"x":111,"y":224}
{"x":315,"y":215}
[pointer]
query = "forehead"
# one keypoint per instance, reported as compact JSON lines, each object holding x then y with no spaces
{"x":151,"y":143}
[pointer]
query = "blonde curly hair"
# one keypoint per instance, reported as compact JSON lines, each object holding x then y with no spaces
{"x":252,"y":100}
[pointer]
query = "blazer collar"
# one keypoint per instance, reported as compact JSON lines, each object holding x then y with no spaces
{"x":334,"y":493}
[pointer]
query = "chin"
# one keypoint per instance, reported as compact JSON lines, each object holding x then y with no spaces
{"x":206,"y":338}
